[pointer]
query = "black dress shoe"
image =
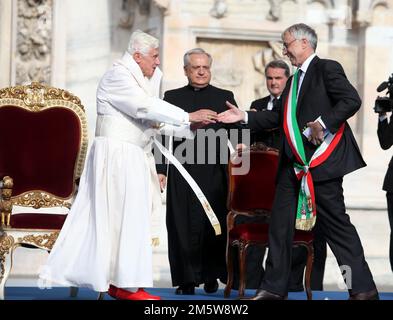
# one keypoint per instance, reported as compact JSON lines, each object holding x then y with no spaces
{"x":368,"y":295}
{"x":186,"y":289}
{"x":211,"y":286}
{"x":265,"y":295}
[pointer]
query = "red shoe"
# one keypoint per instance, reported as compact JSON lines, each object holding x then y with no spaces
{"x":112,"y":291}
{"x":121,"y":294}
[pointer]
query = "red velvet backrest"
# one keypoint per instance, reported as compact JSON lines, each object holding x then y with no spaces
{"x":254,"y":190}
{"x":39,"y":149}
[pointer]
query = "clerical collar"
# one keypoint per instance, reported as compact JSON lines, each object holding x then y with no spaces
{"x":197,"y":89}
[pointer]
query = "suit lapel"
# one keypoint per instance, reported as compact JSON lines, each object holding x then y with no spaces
{"x":265,"y":102}
{"x":307,"y":80}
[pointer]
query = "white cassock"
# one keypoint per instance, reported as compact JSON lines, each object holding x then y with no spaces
{"x":106,"y":238}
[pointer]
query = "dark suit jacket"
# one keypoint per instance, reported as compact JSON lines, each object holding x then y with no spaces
{"x":270,"y":137}
{"x":385,"y":136}
{"x":325,"y":92}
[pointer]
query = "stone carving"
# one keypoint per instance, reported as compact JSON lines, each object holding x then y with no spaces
{"x":162,"y":4}
{"x":274,"y":13}
{"x":260,"y":59}
{"x":227,"y":77}
{"x":219,"y":9}
{"x":328,"y":4}
{"x":275,"y":10}
{"x":376,"y":3}
{"x":364,"y":17}
{"x":34,"y":41}
{"x":144,"y":7}
{"x":128,"y":14}
{"x":129,"y":10}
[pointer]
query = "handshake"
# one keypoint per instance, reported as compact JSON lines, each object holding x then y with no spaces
{"x":315,"y":132}
{"x":204,"y":117}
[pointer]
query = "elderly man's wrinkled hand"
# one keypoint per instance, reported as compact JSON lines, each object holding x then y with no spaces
{"x":203,"y":116}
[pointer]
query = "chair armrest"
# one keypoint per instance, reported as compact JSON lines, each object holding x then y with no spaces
{"x":6,"y":186}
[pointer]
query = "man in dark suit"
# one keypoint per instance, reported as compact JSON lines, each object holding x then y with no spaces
{"x":276,"y":73}
{"x":317,"y":151}
{"x":196,"y":254}
{"x":385,"y":136}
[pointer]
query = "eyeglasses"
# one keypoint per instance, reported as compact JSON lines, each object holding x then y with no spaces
{"x":285,"y":46}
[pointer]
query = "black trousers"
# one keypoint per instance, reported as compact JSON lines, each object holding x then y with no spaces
{"x":389,"y":198}
{"x":335,"y":225}
{"x":299,"y":260}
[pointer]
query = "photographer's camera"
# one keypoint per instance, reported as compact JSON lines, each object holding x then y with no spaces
{"x":385,"y":104}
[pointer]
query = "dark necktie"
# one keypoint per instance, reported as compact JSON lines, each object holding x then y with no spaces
{"x":299,"y":75}
{"x":274,"y":103}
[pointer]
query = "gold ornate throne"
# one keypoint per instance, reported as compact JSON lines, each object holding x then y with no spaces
{"x":43,"y":145}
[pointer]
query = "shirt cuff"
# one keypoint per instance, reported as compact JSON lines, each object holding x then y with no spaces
{"x":319,"y":119}
{"x":245,"y":121}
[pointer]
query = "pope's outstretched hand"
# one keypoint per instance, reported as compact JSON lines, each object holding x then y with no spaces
{"x":232,"y":115}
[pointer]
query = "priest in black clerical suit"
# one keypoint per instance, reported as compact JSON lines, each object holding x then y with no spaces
{"x":196,"y":254}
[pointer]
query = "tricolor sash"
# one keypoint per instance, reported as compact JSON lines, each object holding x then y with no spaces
{"x":306,"y":209}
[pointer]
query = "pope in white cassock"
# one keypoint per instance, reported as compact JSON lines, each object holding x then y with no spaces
{"x":106,"y":240}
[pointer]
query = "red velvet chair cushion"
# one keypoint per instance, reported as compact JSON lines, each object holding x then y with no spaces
{"x":250,"y":232}
{"x":255,"y":190}
{"x":37,"y":221}
{"x":258,"y":232}
{"x":39,"y":149}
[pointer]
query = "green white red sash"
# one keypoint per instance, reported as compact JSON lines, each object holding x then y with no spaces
{"x":306,"y":209}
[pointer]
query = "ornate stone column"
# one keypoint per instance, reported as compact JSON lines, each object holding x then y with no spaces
{"x":33,"y":41}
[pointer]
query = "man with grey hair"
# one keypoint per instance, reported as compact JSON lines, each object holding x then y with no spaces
{"x":196,"y":254}
{"x":107,"y":238}
{"x":317,"y":151}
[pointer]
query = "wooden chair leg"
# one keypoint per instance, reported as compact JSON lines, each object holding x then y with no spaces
{"x":242,"y":268}
{"x":307,"y":278}
{"x":229,"y":257}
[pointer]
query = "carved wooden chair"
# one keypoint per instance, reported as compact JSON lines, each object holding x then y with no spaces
{"x":252,"y":195}
{"x":43,"y":144}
